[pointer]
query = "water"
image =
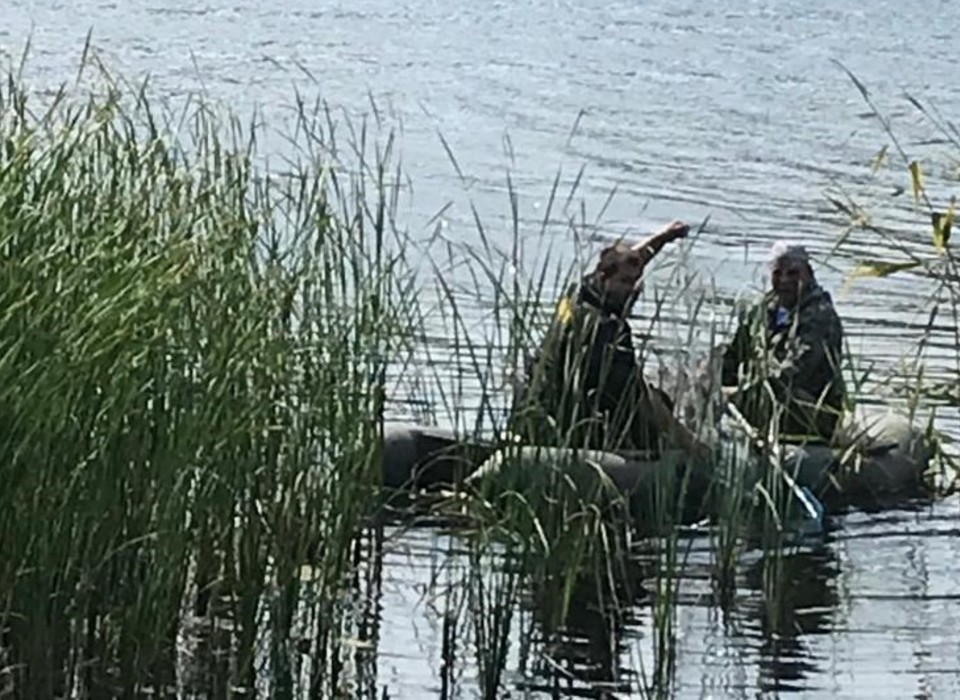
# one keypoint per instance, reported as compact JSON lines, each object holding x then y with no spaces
{"x":689,"y":109}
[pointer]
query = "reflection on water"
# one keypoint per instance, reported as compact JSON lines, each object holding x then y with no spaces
{"x":798,"y":600}
{"x":588,"y":657}
{"x":868,"y":611}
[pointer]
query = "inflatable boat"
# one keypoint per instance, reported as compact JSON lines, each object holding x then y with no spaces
{"x":877,"y":455}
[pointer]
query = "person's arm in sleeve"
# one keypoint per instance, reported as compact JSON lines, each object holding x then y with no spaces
{"x":816,"y":354}
{"x":737,"y":351}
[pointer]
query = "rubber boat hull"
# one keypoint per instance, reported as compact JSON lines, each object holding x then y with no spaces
{"x":877,"y":454}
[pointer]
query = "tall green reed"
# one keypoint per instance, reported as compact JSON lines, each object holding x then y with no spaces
{"x":914,"y":231}
{"x":193,"y":364}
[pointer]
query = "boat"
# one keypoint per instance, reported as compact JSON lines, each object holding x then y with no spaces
{"x":877,"y":455}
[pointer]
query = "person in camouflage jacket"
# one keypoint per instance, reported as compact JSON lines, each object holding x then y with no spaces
{"x":585,"y":386}
{"x":785,"y":356}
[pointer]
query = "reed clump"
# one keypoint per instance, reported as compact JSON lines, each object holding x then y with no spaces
{"x":193,"y":351}
{"x":908,"y":210}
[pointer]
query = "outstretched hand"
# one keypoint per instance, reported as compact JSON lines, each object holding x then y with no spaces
{"x":671,"y":232}
{"x":674,"y":230}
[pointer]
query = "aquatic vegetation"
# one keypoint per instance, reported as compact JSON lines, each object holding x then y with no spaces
{"x":197,"y":353}
{"x":916,"y":236}
{"x":194,"y":354}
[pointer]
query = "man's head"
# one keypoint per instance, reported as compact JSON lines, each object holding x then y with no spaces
{"x":620,"y":273}
{"x":620,"y":268}
{"x":790,"y":272}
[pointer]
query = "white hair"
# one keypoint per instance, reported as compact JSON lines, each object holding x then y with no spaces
{"x":784,"y":250}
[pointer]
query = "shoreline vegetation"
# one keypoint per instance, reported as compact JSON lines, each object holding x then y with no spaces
{"x":198,"y":353}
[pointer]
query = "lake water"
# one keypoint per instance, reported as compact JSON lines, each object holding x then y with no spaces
{"x":735,"y":110}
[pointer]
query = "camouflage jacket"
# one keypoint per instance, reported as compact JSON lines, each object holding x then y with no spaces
{"x":797,"y":355}
{"x":585,"y":387}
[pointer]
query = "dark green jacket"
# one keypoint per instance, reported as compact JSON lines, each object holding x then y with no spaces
{"x":794,"y":356}
{"x":585,"y":387}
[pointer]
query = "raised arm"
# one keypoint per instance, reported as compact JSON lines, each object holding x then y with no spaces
{"x":652,"y":245}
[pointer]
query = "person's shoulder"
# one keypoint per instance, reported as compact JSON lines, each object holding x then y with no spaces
{"x":569,"y":306}
{"x":819,"y":312}
{"x":822,"y":303}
